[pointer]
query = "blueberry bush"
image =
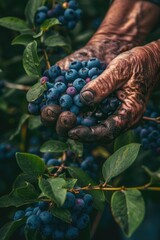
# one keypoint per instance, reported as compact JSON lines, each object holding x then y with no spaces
{"x":52,"y":187}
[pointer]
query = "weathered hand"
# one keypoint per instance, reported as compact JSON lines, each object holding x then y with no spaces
{"x":132,"y":75}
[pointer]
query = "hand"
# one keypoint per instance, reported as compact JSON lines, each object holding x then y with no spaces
{"x":132,"y":75}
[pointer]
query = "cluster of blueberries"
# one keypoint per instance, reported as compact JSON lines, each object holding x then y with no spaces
{"x":89,"y":164}
{"x":67,"y":13}
{"x":7,"y":151}
{"x":63,"y":89}
{"x":40,"y":218}
{"x":149,"y":132}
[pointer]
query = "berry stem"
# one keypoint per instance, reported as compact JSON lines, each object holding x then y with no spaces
{"x":17,"y":86}
{"x":157,"y":120}
{"x":46,"y":58}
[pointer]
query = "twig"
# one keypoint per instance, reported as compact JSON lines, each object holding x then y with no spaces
{"x":17,"y":86}
{"x":46,"y":58}
{"x":96,"y":223}
{"x":157,"y":120}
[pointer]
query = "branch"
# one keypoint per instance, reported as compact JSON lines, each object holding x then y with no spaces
{"x":17,"y":86}
{"x":157,"y":120}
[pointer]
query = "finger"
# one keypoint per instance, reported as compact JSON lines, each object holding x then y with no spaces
{"x":116,"y":74}
{"x":66,"y":121}
{"x":49,"y":114}
{"x":126,"y":116}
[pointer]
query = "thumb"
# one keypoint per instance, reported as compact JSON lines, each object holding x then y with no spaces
{"x":116,"y":74}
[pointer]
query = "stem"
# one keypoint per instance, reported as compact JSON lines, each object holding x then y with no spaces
{"x":157,"y":120}
{"x":96,"y":223}
{"x":46,"y":58}
{"x":122,"y":188}
{"x":17,"y":86}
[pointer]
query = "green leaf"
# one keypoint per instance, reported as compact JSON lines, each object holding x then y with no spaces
{"x":128,"y":209}
{"x":9,"y":228}
{"x":30,"y":164}
{"x":32,"y":234}
{"x":63,"y":214}
{"x":35,"y":91}
{"x":34,"y":122}
{"x":154,"y":176}
{"x":23,"y":39}
{"x":23,"y":119}
{"x":54,"y":146}
{"x":75,"y":147}
{"x":120,"y":160}
{"x":14,"y":23}
{"x":124,"y":139}
{"x":31,"y":61}
{"x":70,"y":183}
{"x":54,"y":188}
{"x":19,"y":196}
{"x":48,"y":23}
{"x":57,"y":41}
{"x":22,"y":178}
{"x":84,"y":180}
{"x":30,"y":10}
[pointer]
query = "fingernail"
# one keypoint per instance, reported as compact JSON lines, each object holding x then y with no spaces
{"x":87,"y":96}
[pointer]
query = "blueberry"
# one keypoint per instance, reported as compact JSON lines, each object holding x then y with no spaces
{"x":53,"y":162}
{"x":93,"y":71}
{"x":46,"y":73}
{"x":83,"y":221}
{"x":35,"y":210}
{"x":66,"y":101}
{"x":71,"y":91}
{"x":43,"y":80}
{"x":43,"y":205}
{"x":93,"y":63}
{"x":75,"y":65}
{"x":88,"y":121}
{"x":40,"y":17}
{"x":143,"y":133}
{"x":145,"y":143}
{"x":79,"y":83}
{"x":70,"y":200}
{"x":47,"y":230}
{"x":73,"y":4}
{"x":33,"y":222}
{"x":71,"y":24}
{"x":54,"y":71}
{"x":29,"y":213}
{"x":84,"y":63}
{"x":88,"y":80}
{"x":71,"y":75}
{"x":62,"y":19}
{"x":43,"y":9}
{"x":84,"y":165}
{"x":79,"y":204}
{"x":89,"y":159}
{"x":79,"y":120}
{"x":51,"y":13}
{"x":49,"y":85}
{"x":29,"y":209}
{"x":78,"y":13}
{"x":74,"y":109}
{"x":69,"y":14}
{"x":71,"y":233}
{"x":18,"y":215}
{"x":52,"y":94}
{"x":33,"y":108}
{"x":88,"y":199}
{"x":60,"y":79}
{"x":58,"y":9}
{"x":58,"y":235}
{"x":113,"y":103}
{"x":77,"y":101}
{"x":46,"y":217}
{"x":83,"y":72}
{"x":61,"y":87}
{"x":153,"y":135}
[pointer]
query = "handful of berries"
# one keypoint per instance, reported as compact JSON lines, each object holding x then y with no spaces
{"x":67,"y":13}
{"x":62,"y":97}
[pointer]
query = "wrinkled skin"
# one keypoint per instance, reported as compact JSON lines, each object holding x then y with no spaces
{"x":131,"y":73}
